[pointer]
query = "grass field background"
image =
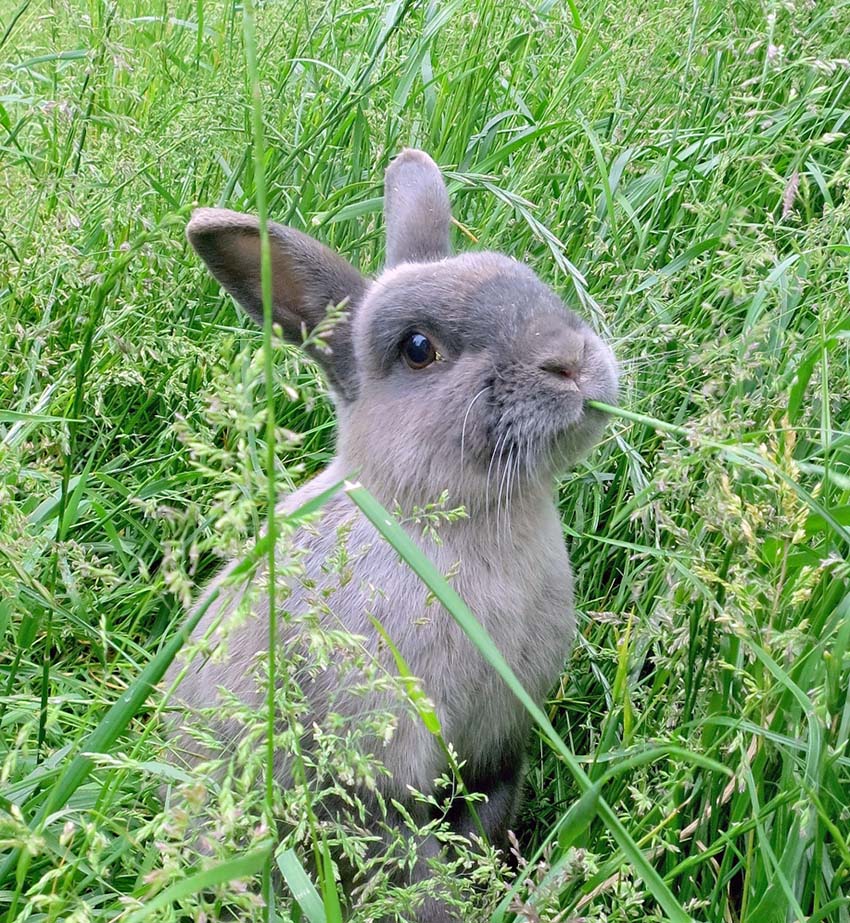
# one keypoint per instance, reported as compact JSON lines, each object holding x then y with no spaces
{"x":679,"y":172}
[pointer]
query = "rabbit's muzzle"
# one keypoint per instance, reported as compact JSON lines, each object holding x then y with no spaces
{"x":537,"y":407}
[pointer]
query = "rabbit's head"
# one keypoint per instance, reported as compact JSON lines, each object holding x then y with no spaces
{"x":461,"y":373}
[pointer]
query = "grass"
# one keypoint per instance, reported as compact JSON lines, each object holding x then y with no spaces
{"x":680,"y":173}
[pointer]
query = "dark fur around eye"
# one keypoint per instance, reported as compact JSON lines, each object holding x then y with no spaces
{"x":417,"y":350}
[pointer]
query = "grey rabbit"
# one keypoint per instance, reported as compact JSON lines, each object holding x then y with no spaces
{"x":461,"y":374}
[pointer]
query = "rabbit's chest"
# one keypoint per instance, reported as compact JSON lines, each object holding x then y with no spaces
{"x":523,"y":598}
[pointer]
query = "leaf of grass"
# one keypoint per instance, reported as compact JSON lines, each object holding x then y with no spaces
{"x":232,"y":870}
{"x":420,"y":701}
{"x":303,"y":890}
{"x":330,"y":897}
{"x":15,"y":416}
{"x":460,"y":612}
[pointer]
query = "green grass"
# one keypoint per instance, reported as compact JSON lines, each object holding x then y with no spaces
{"x":679,"y":172}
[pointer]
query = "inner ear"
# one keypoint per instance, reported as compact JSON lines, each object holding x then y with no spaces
{"x":308,"y":279}
{"x":417,"y":212}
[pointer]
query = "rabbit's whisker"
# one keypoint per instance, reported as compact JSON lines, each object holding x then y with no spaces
{"x":500,"y":468}
{"x":489,"y":472}
{"x":463,"y":428}
{"x":503,"y":485}
{"x":513,"y":463}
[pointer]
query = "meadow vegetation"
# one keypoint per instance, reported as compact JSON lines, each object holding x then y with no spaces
{"x":679,"y":172}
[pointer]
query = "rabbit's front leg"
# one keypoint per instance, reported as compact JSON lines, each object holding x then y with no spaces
{"x":502,"y":788}
{"x":499,"y":811}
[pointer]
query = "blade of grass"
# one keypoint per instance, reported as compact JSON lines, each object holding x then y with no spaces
{"x":15,"y":416}
{"x":303,"y":890}
{"x":439,"y":586}
{"x":737,"y":454}
{"x":232,"y":870}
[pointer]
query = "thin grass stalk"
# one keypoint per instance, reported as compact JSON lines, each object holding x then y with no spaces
{"x":736,"y":454}
{"x":268,"y":367}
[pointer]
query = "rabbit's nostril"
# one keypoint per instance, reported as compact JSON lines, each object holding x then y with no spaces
{"x":564,"y":368}
{"x":567,"y":371}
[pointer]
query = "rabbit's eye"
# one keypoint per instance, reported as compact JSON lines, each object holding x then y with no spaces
{"x":418,"y":351}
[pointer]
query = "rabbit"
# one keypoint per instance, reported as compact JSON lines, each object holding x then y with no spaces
{"x":461,"y":374}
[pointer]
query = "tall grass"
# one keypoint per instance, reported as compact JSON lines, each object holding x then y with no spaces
{"x":679,"y":172}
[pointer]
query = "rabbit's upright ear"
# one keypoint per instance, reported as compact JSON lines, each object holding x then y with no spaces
{"x":417,"y":213}
{"x":307,"y":280}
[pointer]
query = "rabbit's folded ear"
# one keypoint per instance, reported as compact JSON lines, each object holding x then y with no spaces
{"x":307,"y":280}
{"x":417,"y":213}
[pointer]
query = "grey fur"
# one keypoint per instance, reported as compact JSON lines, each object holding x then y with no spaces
{"x":492,"y":422}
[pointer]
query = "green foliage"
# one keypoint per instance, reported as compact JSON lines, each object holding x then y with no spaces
{"x":680,"y":173}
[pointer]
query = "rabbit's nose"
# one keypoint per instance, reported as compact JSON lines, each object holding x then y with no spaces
{"x":565,"y":360}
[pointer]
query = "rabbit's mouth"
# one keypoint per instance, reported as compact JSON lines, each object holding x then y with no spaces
{"x":541,"y":424}
{"x":542,"y":449}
